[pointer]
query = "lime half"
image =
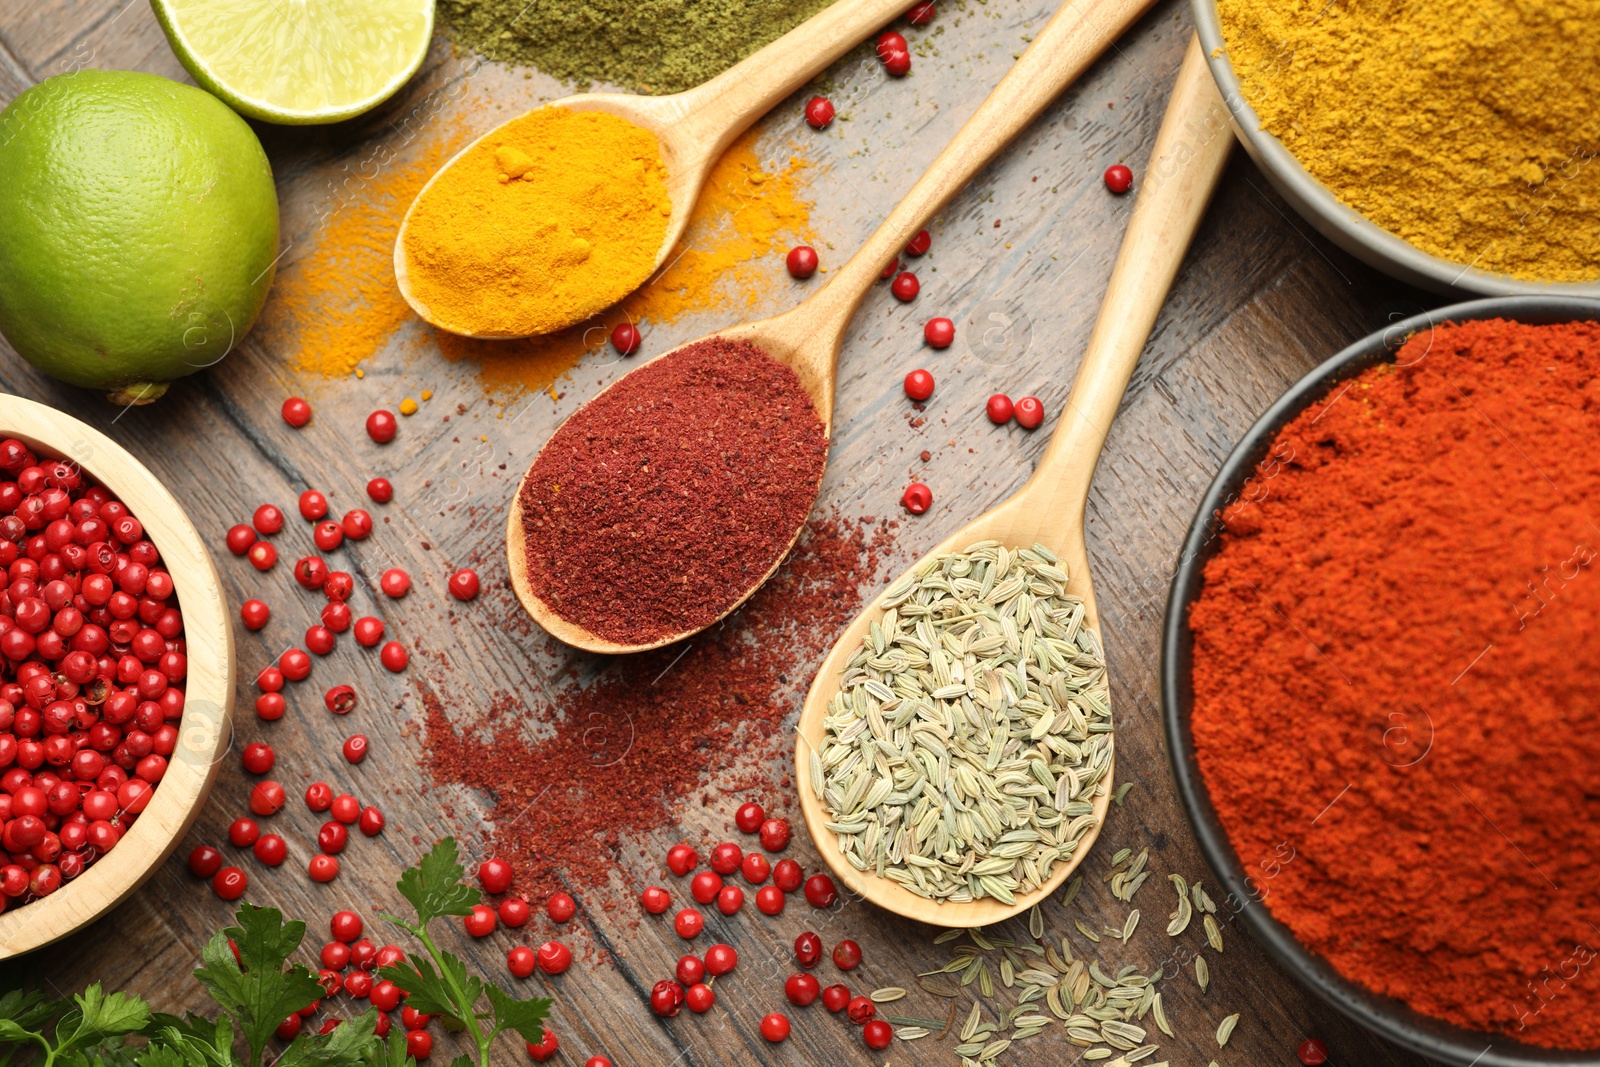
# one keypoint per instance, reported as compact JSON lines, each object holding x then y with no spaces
{"x":299,"y":61}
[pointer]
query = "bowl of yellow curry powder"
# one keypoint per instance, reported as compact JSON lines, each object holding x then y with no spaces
{"x":1451,"y":146}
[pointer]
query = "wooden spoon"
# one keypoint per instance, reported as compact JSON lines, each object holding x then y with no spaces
{"x":694,"y":127}
{"x":807,"y":338}
{"x":1189,"y":154}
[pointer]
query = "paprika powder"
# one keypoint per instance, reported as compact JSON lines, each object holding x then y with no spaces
{"x":1395,"y":711}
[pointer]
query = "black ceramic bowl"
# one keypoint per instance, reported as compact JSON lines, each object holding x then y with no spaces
{"x":1388,"y":1018}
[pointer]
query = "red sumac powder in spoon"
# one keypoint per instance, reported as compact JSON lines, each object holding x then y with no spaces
{"x":666,"y":497}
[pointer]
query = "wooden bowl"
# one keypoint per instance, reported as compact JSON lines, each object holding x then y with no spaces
{"x":203,"y":732}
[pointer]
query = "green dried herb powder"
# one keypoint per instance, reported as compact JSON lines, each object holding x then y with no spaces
{"x":650,"y":46}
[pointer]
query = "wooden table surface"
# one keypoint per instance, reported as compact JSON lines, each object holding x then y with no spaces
{"x":1259,"y":301}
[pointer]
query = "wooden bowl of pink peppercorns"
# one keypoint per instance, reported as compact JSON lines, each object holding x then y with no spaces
{"x":116,"y":674}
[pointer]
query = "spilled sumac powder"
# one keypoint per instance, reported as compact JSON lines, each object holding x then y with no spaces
{"x":657,"y":725}
{"x":664,"y":498}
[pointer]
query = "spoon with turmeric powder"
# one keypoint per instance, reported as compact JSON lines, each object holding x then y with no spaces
{"x":666,"y":501}
{"x":561,"y":212}
{"x":1041,"y":523}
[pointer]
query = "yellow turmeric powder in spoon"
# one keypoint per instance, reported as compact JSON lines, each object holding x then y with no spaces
{"x":554,"y":217}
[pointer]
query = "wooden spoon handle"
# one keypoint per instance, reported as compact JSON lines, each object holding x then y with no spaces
{"x":1069,"y":42}
{"x":1190,"y":151}
{"x":724,"y":107}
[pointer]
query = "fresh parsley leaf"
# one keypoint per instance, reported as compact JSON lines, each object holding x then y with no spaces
{"x":427,"y":990}
{"x":261,"y":996}
{"x":345,"y":1045}
{"x":391,"y":1052}
{"x":434,"y":886}
{"x":29,"y":1009}
{"x":98,"y":1018}
{"x":526,"y":1017}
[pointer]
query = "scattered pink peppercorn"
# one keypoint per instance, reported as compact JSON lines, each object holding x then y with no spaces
{"x":205,"y":861}
{"x":1118,"y":178}
{"x":787,"y":875}
{"x":381,"y":426}
{"x":919,"y":244}
{"x":860,"y":1009}
{"x":357,"y":524}
{"x":877,"y":1034}
{"x":395,"y":583}
{"x":546,"y":1048}
{"x":328,"y":535}
{"x":666,"y":998}
{"x":254,"y":614}
{"x":495,"y":875}
{"x":681,"y":859}
{"x":560,"y":907}
{"x":368,"y":631}
{"x":341,"y":699}
{"x":699,"y":997}
{"x":775,"y":834}
{"x":268,"y":518}
{"x":625,"y":338}
{"x":230,"y":883}
{"x":319,"y":796}
{"x":999,"y":409}
{"x":801,"y":989}
{"x":296,"y":412}
{"x":313,"y":505}
{"x":836,"y":997}
{"x":380,"y":490}
{"x":705,"y":886}
{"x":920,"y":13}
{"x":890,"y":41}
{"x":889,"y":270}
{"x":554,"y":957}
{"x":481,"y":921}
{"x":721,"y":959}
{"x":267,"y":798}
{"x":323,"y":868}
{"x":755,"y":868}
{"x":726,"y":857}
{"x":655,"y":899}
{"x":775,"y":1027}
{"x":355,"y":747}
{"x":371,"y":822}
{"x":691,"y":969}
{"x":730,"y":898}
{"x":320,"y":639}
{"x":802,"y":261}
{"x":1312,"y":1053}
{"x":939,"y":333}
{"x":257,"y":757}
{"x":394,"y":656}
{"x":820,"y":891}
{"x":332,"y":838}
{"x":749,"y":817}
{"x":688,"y":923}
{"x":819,"y":112}
{"x":1030,"y":412}
{"x":345,"y":808}
{"x":919,"y":385}
{"x":917,"y":498}
{"x":769,"y":900}
{"x":262,"y":556}
{"x":464,"y":584}
{"x":515,"y":912}
{"x":897,"y":63}
{"x":240,"y":538}
{"x":905,"y":286}
{"x":847,"y":955}
{"x":808,"y":949}
{"x":522,"y":961}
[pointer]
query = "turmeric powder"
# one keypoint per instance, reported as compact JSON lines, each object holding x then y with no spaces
{"x":553,"y":217}
{"x":1467,"y":130}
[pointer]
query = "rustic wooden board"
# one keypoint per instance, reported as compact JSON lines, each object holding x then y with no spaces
{"x":1260,"y":300}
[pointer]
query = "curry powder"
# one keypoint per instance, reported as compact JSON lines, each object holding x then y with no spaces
{"x":1467,"y":130}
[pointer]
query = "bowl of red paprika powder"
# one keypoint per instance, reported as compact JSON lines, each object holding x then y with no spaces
{"x":1308,"y":864}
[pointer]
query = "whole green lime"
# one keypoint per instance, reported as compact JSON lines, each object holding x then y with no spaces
{"x":138,"y":230}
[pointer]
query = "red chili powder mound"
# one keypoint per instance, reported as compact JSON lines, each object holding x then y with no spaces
{"x":661,"y":500}
{"x":607,"y":761}
{"x":1395,"y":658}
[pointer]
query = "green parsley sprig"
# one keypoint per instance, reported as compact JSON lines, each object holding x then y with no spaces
{"x":437,"y":983}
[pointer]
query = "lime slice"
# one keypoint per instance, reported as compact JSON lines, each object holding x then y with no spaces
{"x":297,"y":61}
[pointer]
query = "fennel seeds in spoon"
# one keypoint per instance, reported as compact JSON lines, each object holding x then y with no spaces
{"x":972,"y":729}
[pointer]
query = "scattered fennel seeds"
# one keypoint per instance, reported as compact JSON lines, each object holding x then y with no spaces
{"x":971,"y":733}
{"x":1225,"y":1031}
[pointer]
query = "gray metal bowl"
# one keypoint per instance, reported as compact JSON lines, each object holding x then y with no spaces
{"x":1389,"y":1018}
{"x":1336,"y":221}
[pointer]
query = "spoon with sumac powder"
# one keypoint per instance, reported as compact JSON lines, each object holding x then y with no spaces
{"x":944,"y":591}
{"x":666,"y":501}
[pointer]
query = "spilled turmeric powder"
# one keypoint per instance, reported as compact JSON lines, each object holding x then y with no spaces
{"x":552,"y":217}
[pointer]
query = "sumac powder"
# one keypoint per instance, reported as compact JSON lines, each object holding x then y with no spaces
{"x":579,"y":775}
{"x":1395,"y":656}
{"x":666,"y":497}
